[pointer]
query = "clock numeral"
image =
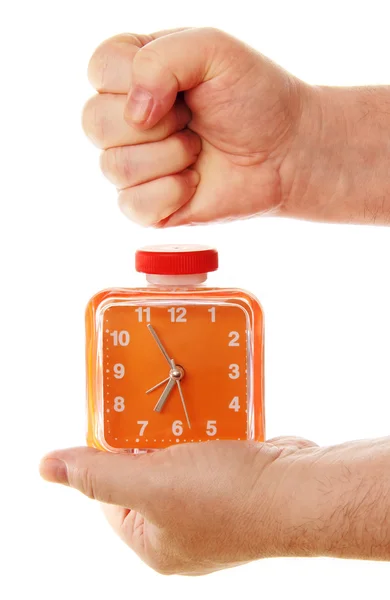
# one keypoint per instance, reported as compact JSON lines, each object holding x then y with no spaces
{"x":235,"y":336}
{"x":235,"y":404}
{"x":119,"y":371}
{"x":177,"y":427}
{"x":120,"y":338}
{"x":143,"y":426}
{"x":212,"y":311}
{"x":143,"y":312}
{"x":178,"y":315}
{"x":211,"y":428}
{"x":119,"y":404}
{"x":235,"y":371}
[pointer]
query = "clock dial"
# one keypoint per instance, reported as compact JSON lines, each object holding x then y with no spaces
{"x":174,"y":373}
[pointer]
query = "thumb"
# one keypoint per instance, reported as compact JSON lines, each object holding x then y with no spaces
{"x":111,"y":478}
{"x":171,"y":64}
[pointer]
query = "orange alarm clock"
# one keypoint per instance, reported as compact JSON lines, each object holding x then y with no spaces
{"x":173,"y":362}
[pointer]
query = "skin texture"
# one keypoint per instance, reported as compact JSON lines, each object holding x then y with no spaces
{"x":197,"y":508}
{"x":222,"y":133}
{"x":162,"y":189}
{"x":196,"y":127}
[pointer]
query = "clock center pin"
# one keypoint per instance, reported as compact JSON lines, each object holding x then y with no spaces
{"x":177,"y":373}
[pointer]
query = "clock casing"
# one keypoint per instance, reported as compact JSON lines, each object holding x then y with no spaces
{"x":173,"y":362}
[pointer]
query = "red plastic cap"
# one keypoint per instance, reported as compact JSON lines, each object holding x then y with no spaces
{"x":176,"y":260}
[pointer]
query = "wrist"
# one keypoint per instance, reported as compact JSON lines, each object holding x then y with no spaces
{"x":336,"y":168}
{"x":288,"y":507}
{"x":301,"y":511}
{"x":336,"y":502}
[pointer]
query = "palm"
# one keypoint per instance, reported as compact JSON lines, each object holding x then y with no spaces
{"x":194,"y":483}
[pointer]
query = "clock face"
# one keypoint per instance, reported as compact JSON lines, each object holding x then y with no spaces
{"x":173,"y":373}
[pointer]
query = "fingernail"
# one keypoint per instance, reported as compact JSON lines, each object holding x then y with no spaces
{"x":139,"y":105}
{"x":54,"y":470}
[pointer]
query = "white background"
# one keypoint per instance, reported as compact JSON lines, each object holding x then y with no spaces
{"x":324,"y":288}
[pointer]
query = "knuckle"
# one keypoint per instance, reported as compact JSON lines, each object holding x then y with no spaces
{"x":94,"y":121}
{"x":174,"y":186}
{"x":214,"y":32}
{"x":105,"y":163}
{"x":97,"y":66}
{"x":131,"y":204}
{"x":146,"y":54}
{"x":148,"y":62}
{"x":117,"y":166}
{"x":104,"y":61}
{"x":132,"y":39}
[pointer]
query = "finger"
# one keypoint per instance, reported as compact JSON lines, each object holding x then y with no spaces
{"x":128,"y":525}
{"x":170,"y":64}
{"x":109,"y":68}
{"x":150,"y":203}
{"x":115,"y":516}
{"x":291,"y":441}
{"x":110,"y":478}
{"x":127,"y":166}
{"x":104,"y":123}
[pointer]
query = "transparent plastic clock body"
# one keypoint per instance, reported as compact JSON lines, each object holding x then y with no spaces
{"x":173,"y":362}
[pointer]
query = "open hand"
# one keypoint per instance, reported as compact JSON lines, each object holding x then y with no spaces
{"x":194,"y":508}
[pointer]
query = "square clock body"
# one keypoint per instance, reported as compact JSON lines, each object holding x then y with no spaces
{"x":174,"y":362}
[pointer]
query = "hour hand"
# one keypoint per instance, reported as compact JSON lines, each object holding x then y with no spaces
{"x":165,"y":395}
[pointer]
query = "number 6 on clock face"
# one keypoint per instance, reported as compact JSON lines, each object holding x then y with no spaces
{"x":173,"y":367}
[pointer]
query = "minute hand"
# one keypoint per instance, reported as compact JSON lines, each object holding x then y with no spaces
{"x":181,"y":395}
{"x":159,"y":344}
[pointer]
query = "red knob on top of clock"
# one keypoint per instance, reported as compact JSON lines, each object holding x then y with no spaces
{"x":184,"y":259}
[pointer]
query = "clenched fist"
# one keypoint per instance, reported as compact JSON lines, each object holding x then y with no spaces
{"x":195,"y":126}
{"x":198,"y":127}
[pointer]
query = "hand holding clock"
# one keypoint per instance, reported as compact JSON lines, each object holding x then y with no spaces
{"x":197,"y":508}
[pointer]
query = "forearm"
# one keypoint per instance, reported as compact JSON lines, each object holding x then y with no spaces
{"x":337,"y":169}
{"x":340,"y":505}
